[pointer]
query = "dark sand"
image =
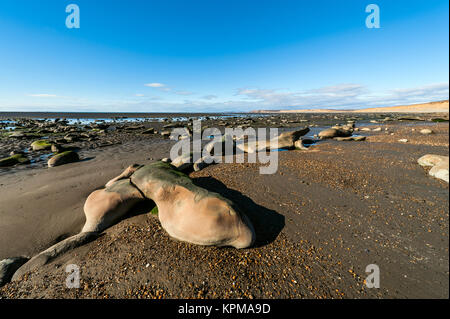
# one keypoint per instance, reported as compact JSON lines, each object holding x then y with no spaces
{"x":320,"y":220}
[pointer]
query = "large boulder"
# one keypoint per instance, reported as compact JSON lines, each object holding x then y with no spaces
{"x":336,"y":132}
{"x":13,"y":160}
{"x":329,"y":133}
{"x":41,"y":145}
{"x":104,"y":207}
{"x":439,"y":165}
{"x":426,"y":131}
{"x":285,"y":140}
{"x":190,"y":213}
{"x":63,"y":158}
{"x":18,"y":134}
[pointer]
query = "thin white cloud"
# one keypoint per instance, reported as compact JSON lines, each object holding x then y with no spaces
{"x":42,"y":95}
{"x":340,"y":96}
{"x":139,"y":95}
{"x":155,"y":85}
{"x":340,"y":90}
{"x":437,"y":89}
{"x":343,"y":96}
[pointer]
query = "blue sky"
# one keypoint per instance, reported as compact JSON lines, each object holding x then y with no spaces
{"x":217,"y":55}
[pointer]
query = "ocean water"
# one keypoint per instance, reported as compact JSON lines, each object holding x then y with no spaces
{"x":9,"y":124}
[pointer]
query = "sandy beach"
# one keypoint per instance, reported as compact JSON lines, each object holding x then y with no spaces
{"x":327,"y":213}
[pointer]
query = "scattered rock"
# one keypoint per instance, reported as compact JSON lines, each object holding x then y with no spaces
{"x":12,"y":153}
{"x":63,"y":158}
{"x":351,"y":138}
{"x":134,"y":127}
{"x":149,"y":131}
{"x":72,"y":137}
{"x":17,"y":135}
{"x":41,"y":145}
{"x":411,"y":119}
{"x":56,"y":148}
{"x":439,"y":165}
{"x":403,"y":140}
{"x":335,"y":132}
{"x":426,"y":131}
{"x":165,"y":133}
{"x":285,"y":140}
{"x":13,"y":160}
{"x":438,"y":119}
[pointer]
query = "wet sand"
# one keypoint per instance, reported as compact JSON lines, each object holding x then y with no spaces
{"x":324,"y":216}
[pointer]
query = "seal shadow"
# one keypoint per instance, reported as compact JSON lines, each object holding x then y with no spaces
{"x":266,"y":222}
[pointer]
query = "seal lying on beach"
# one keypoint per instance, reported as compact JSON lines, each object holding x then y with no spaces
{"x":187,"y":212}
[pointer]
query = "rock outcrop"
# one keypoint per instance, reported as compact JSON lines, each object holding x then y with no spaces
{"x":191,"y":213}
{"x":439,"y":165}
{"x":53,"y":252}
{"x":336,"y":131}
{"x":285,"y":140}
{"x":13,"y":160}
{"x":106,"y":206}
{"x":41,"y":145}
{"x":187,"y":212}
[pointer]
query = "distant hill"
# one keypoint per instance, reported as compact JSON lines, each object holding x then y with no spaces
{"x":431,"y":107}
